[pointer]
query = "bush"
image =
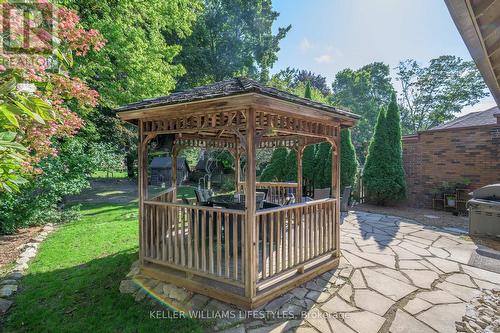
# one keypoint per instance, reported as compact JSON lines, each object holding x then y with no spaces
{"x":42,"y":200}
{"x":348,"y":160}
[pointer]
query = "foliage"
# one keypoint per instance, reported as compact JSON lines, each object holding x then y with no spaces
{"x":299,"y":88}
{"x":106,"y":158}
{"x":137,"y":62}
{"x":89,"y":256}
{"x":291,"y":166}
{"x":40,"y":201}
{"x":375,"y":172}
{"x":290,"y":78}
{"x":363,"y":91}
{"x":36,"y":92}
{"x":348,"y":160}
{"x":309,"y":162}
{"x":276,"y":170}
{"x":322,"y":168}
{"x":191,"y":154}
{"x":383,"y":174}
{"x":436,"y":93}
{"x":231,"y":38}
{"x":394,"y":146}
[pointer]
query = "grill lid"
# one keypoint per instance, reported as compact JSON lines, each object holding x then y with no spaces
{"x":489,"y":192}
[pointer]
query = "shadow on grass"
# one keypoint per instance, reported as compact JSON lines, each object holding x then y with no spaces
{"x":86,"y":298}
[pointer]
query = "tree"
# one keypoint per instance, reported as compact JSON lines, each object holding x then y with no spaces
{"x":322,"y":166}
{"x":375,"y":172}
{"x":291,"y":78}
{"x":348,"y":160}
{"x":308,"y":93}
{"x":315,"y":80}
{"x":231,"y":38}
{"x":394,"y":147}
{"x":143,"y":38}
{"x":38,"y":95}
{"x":436,"y":93}
{"x":363,"y":91}
{"x":383,"y":174}
{"x":138,"y":61}
{"x":291,"y":166}
{"x":276,"y":170}
{"x":309,"y":163}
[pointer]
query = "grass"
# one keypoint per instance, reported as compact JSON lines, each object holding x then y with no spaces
{"x":186,"y":191}
{"x":72,"y":285}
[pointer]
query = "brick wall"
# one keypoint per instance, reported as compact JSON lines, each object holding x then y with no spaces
{"x":432,"y":157}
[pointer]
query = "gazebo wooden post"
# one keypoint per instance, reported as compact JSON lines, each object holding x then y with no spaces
{"x":250,"y":241}
{"x":237,"y":165}
{"x":174,"y":171}
{"x":300,"y":153}
{"x":142,"y":183}
{"x":336,"y":188}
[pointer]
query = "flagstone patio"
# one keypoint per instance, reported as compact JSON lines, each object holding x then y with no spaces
{"x":396,"y":275}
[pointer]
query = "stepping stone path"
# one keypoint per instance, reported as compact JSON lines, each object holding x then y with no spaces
{"x":9,"y":286}
{"x":396,"y":275}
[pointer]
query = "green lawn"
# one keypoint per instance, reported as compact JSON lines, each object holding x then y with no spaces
{"x":72,"y":284}
{"x":185,"y":191}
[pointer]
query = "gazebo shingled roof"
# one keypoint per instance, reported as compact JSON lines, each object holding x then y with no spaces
{"x":231,"y":87}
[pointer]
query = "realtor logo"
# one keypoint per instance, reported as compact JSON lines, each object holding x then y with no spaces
{"x":27,"y":27}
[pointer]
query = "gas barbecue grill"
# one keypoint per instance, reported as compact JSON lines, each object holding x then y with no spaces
{"x":484,"y":211}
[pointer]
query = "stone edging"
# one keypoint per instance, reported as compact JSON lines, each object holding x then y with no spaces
{"x":9,"y":285}
{"x":482,"y":314}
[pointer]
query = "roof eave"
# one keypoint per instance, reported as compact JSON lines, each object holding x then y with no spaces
{"x":465,"y":21}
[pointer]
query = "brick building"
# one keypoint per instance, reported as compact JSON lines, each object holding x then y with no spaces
{"x":464,"y":148}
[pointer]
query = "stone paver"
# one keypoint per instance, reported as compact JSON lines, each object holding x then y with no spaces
{"x":404,"y":323}
{"x":417,"y":305}
{"x":386,"y":285}
{"x":365,"y":322}
{"x":461,"y":279}
{"x":394,"y":275}
{"x":423,"y":278}
{"x":357,"y":279}
{"x":372,"y":301}
{"x":442,"y":317}
{"x":337,"y":305}
{"x":438,"y":297}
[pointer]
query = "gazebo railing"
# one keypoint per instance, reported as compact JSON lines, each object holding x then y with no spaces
{"x":204,"y":241}
{"x":277,"y":192}
{"x":210,"y":242}
{"x":167,"y":195}
{"x":292,"y":236}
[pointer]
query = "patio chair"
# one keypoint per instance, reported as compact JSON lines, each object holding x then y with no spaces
{"x":344,"y":199}
{"x":263,"y":190}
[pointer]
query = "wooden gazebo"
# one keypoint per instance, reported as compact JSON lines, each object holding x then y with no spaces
{"x":242,"y":256}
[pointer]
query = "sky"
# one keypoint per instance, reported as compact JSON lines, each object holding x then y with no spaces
{"x":330,"y":35}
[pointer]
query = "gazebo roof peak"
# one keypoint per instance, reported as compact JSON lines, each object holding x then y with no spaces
{"x":231,"y":87}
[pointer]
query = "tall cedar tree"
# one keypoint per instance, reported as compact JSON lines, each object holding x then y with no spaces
{"x":376,"y":175}
{"x":275,"y":170}
{"x":384,"y":174}
{"x":309,"y":156}
{"x":348,"y":160}
{"x":322,"y":168}
{"x":291,"y":166}
{"x":393,"y":130}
